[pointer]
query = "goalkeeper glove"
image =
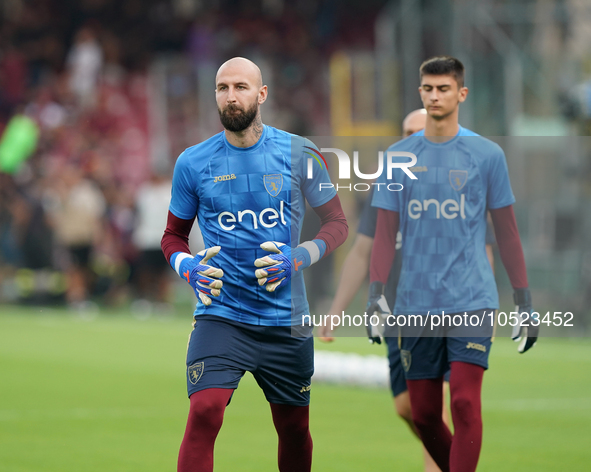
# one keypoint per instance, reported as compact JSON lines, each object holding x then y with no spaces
{"x":202,"y":277}
{"x":376,"y":305}
{"x":524,"y":330}
{"x":278,"y":266}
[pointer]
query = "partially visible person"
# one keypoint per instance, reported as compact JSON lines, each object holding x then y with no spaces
{"x":151,"y":269}
{"x":354,"y":273}
{"x":85,"y":62}
{"x":414,"y":122}
{"x":76,"y":209}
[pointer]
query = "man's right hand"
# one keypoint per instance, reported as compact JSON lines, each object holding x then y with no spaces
{"x":202,"y":277}
{"x":528,"y":328}
{"x":376,"y":305}
{"x":325,"y":332}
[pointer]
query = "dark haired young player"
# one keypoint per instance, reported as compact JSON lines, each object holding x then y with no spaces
{"x":442,"y":217}
{"x":353,"y":274}
{"x":247,"y":187}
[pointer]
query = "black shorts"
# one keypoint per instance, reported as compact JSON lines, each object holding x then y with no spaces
{"x":80,"y":255}
{"x":397,"y":378}
{"x":153,"y":260}
{"x":220,"y":351}
{"x":429,"y":357}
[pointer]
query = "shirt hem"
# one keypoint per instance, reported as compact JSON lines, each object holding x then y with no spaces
{"x":451,"y":311}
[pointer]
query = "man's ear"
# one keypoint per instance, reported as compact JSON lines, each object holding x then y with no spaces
{"x":263,"y":94}
{"x":463,"y":93}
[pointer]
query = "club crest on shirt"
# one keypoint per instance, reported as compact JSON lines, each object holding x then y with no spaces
{"x":406,"y":359}
{"x":273,"y":183}
{"x":458,"y":178}
{"x":195,"y":372}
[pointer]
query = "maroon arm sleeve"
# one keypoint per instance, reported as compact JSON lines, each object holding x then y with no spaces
{"x":176,"y":236}
{"x":333,"y":224}
{"x":384,"y":246}
{"x":509,"y":245}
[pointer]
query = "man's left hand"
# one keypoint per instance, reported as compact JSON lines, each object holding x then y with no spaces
{"x":525,"y":330}
{"x":278,"y":266}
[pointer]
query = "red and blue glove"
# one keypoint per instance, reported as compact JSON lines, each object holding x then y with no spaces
{"x":204,"y":278}
{"x":280,"y":266}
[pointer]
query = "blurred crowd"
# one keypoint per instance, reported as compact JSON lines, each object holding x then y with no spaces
{"x":83,"y":202}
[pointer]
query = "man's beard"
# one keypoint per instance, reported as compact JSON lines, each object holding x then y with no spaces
{"x":237,"y":122}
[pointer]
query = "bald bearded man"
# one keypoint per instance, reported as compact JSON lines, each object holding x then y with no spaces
{"x":247,"y":188}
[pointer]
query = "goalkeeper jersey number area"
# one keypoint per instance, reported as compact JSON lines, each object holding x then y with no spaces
{"x":443,"y":221}
{"x":243,"y":197}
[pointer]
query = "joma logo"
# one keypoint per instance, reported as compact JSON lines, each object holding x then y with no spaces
{"x":221,"y":178}
{"x":478,"y":347}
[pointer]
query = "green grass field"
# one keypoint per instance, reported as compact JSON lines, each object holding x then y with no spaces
{"x":108,"y":394}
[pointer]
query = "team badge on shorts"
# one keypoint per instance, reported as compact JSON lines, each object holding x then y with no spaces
{"x":273,"y":183}
{"x":458,"y":178}
{"x":406,"y":358}
{"x":195,"y":372}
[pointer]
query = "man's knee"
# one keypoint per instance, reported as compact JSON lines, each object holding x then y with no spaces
{"x":297,"y":429}
{"x":207,"y":410}
{"x":464,"y":408}
{"x":426,"y":417}
{"x":402,"y":405}
{"x":291,"y":420}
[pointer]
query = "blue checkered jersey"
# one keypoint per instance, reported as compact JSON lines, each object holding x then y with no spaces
{"x":243,"y":197}
{"x":443,"y":221}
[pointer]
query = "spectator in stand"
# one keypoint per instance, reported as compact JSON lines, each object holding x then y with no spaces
{"x":85,"y":61}
{"x":152,"y":273}
{"x":77,"y":207}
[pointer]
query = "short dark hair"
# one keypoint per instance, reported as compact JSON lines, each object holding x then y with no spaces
{"x":443,"y":65}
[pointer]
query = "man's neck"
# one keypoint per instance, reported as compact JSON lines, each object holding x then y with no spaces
{"x":248,"y":137}
{"x":443,"y":130}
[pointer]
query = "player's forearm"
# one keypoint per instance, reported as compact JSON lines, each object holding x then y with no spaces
{"x":509,"y":244}
{"x":333,"y":224}
{"x":333,"y":232}
{"x":384,"y":248}
{"x":353,"y":273}
{"x":490,"y":256}
{"x":176,"y":236}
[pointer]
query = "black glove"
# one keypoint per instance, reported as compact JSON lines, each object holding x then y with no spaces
{"x":528,"y":327}
{"x":376,"y":305}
